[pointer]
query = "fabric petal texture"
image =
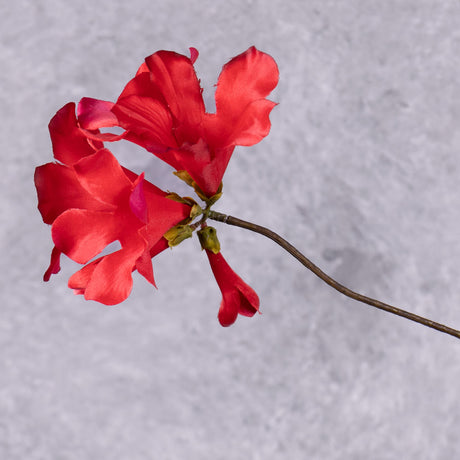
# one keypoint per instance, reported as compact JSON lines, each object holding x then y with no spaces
{"x":70,"y":144}
{"x":93,"y":203}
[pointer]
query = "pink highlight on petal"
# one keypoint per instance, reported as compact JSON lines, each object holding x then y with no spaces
{"x":137,"y":201}
{"x":95,"y":114}
{"x":193,"y":54}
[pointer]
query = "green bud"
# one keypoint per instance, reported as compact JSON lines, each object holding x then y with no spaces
{"x":208,"y":239}
{"x":178,"y":234}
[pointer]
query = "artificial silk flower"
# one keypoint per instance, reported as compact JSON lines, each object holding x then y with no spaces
{"x":94,"y":203}
{"x":238,"y":298}
{"x":162,"y":110}
{"x":91,"y":201}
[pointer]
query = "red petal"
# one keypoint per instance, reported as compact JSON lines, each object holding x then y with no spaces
{"x":142,"y":69}
{"x":79,"y":280}
{"x":103,"y":177}
{"x":82,"y":234}
{"x":137,"y":201}
{"x":247,"y":78}
{"x":97,"y":137}
{"x":144,"y":267}
{"x":141,"y":86}
{"x":69,"y":143}
{"x":147,"y":120}
{"x":160,"y":246}
{"x":54,"y":266}
{"x":175,"y":77}
{"x":164,"y":214}
{"x":58,"y":189}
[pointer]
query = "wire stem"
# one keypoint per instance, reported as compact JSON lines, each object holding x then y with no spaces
{"x":326,"y":278}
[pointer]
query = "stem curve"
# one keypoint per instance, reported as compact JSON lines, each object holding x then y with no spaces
{"x":230,"y":220}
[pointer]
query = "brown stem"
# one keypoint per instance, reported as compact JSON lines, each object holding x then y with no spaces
{"x":326,"y":278}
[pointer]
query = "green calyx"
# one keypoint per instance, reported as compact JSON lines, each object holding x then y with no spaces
{"x":184,"y":229}
{"x":185,"y":176}
{"x":178,"y":234}
{"x":208,"y":239}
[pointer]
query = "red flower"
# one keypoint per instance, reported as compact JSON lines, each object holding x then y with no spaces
{"x":237,"y":296}
{"x":93,"y":202}
{"x":162,"y":109}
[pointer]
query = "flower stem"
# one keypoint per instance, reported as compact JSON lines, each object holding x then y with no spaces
{"x":326,"y":278}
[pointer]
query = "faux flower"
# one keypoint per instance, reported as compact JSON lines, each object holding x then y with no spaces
{"x":162,"y":110}
{"x":91,"y":201}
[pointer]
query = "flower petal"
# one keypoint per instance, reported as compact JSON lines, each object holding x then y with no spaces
{"x":108,"y":280}
{"x":241,"y":108}
{"x":175,"y":77}
{"x":103,"y":177}
{"x":55,"y":265}
{"x":81,"y":234}
{"x":147,"y":121}
{"x":69,"y":143}
{"x":58,"y":189}
{"x":94,"y":114}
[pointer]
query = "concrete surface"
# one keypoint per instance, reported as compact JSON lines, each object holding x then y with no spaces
{"x":360,"y":171}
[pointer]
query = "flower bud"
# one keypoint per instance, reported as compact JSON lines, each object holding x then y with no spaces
{"x":208,"y":239}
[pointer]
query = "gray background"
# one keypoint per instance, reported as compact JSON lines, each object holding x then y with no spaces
{"x":360,"y":171}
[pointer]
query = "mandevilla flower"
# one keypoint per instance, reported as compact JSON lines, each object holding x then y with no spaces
{"x":92,"y":201}
{"x":162,"y":109}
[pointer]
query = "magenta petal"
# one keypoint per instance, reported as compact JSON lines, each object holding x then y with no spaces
{"x":137,"y":201}
{"x":94,"y":114}
{"x":193,"y":54}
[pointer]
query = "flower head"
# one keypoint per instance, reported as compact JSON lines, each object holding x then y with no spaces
{"x":162,"y":110}
{"x":93,"y":202}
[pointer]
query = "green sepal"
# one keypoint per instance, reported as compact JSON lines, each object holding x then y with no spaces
{"x":195,"y":211}
{"x":177,"y":234}
{"x":185,"y":176}
{"x":214,"y":198}
{"x":199,"y":192}
{"x":208,"y":239}
{"x":181,"y":199}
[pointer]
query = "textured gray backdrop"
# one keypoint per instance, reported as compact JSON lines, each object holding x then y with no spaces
{"x":360,"y":171}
